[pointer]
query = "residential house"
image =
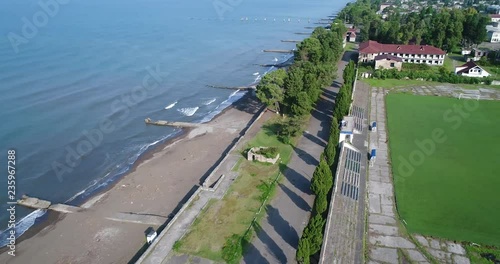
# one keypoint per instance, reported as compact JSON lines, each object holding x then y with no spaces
{"x":422,"y":54}
{"x":493,"y":32}
{"x":495,"y":17}
{"x":384,"y":6}
{"x":351,"y":35}
{"x":471,"y":69}
{"x":386,"y":61}
{"x":479,"y":53}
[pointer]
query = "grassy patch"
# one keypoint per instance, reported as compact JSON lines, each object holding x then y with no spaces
{"x":493,"y":70}
{"x":450,"y":190}
{"x":350,"y":46}
{"x":482,"y":255}
{"x":235,"y":212}
{"x":393,"y":83}
{"x":449,"y":64}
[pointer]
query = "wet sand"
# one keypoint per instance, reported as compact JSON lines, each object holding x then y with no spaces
{"x":158,"y":186}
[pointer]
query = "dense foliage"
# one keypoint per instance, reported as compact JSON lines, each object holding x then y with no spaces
{"x":445,"y":28}
{"x":442,"y":75}
{"x":296,"y":91}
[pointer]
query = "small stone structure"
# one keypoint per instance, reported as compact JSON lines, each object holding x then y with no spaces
{"x":253,"y":155}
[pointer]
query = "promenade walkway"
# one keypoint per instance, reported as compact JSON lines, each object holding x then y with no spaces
{"x":289,"y":211}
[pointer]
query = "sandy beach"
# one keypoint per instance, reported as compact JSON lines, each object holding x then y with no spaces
{"x":157,"y":186}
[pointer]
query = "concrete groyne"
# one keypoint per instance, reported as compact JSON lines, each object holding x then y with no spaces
{"x":35,"y":203}
{"x":172,"y":124}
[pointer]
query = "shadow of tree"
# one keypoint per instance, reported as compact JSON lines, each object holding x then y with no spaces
{"x":306,"y":157}
{"x":299,"y":201}
{"x":271,"y":245}
{"x":282,"y":227}
{"x":298,"y":180}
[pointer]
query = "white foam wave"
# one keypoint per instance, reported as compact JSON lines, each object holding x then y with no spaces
{"x":188,"y":111}
{"x":255,"y":73}
{"x":170,"y":105}
{"x":24,"y":224}
{"x":233,"y":97}
{"x":275,"y":59}
{"x":209,"y":101}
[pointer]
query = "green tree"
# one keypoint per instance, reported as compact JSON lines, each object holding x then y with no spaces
{"x":320,"y":203}
{"x":270,"y":89}
{"x":309,"y":50}
{"x":303,"y":251}
{"x":314,"y":232}
{"x":322,"y":180}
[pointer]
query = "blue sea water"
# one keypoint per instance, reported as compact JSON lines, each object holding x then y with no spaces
{"x":79,"y":77}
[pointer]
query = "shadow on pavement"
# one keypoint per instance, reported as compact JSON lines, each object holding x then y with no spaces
{"x":299,"y":201}
{"x":272,"y":246}
{"x":314,"y":139}
{"x":252,"y":255}
{"x":298,"y":180}
{"x":306,"y":157}
{"x":282,"y":227}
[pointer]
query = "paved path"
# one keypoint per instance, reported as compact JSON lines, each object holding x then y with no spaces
{"x":384,"y":235}
{"x":289,"y":211}
{"x":454,"y":90}
{"x":343,"y":241}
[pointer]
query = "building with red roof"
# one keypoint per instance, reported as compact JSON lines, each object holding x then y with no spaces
{"x":495,"y":17}
{"x":422,"y":54}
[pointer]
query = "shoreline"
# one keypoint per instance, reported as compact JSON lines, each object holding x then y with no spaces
{"x":52,"y":217}
{"x":54,"y":220}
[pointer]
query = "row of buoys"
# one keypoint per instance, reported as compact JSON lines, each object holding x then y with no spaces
{"x":274,"y":19}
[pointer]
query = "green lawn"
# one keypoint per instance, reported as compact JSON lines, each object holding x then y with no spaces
{"x":392,"y":83}
{"x":453,"y":192}
{"x":234,"y":213}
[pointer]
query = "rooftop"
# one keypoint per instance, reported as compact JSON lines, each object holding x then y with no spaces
{"x":375,"y":47}
{"x":388,"y":57}
{"x":347,"y":125}
{"x":469,"y":65}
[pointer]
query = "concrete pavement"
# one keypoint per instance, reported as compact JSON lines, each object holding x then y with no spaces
{"x":289,"y":211}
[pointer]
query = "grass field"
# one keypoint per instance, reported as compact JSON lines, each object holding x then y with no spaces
{"x":451,"y":191}
{"x":393,"y":83}
{"x":235,"y":212}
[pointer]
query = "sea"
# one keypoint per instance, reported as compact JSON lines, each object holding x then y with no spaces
{"x":78,"y":78}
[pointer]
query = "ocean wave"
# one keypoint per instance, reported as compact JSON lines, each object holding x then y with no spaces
{"x":233,"y":97}
{"x":170,"y":105}
{"x":207,"y":102}
{"x":255,"y":73}
{"x":22,"y":226}
{"x":188,"y":111}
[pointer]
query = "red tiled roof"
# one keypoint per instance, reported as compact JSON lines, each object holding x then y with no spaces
{"x":388,"y":57}
{"x":495,"y":15}
{"x":469,"y":65}
{"x":375,"y":47}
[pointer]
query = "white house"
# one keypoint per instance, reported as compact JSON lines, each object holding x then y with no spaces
{"x":471,"y":69}
{"x":346,"y":129}
{"x":495,"y":17}
{"x":493,"y":32}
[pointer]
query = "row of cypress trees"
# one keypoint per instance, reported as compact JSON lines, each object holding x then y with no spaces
{"x":322,"y":180}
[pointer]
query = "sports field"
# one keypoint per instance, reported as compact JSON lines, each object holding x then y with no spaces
{"x":445,"y":156}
